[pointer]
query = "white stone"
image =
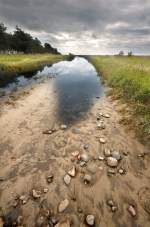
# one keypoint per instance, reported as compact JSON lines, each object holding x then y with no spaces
{"x":72,"y":171}
{"x":112,"y":162}
{"x":63,"y":205}
{"x":67,"y":179}
{"x":90,"y":219}
{"x":63,"y":127}
{"x":102,"y":140}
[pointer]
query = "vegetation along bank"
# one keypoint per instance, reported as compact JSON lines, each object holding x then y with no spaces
{"x":129,"y":78}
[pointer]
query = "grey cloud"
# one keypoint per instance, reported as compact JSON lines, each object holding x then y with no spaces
{"x":93,"y":26}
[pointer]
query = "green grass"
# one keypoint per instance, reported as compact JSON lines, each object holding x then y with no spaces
{"x":15,"y":64}
{"x":130,"y":79}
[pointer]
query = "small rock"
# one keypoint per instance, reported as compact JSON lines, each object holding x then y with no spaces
{"x":63,"y":127}
{"x":40,"y":221}
{"x":48,"y":132}
{"x":82,"y":164}
{"x":24,"y":198}
{"x":84,"y":157}
{"x":121,"y":171}
{"x":36,"y":194}
{"x":75,"y":154}
{"x":100,"y":114}
{"x":54,"y":220}
{"x":114,"y":208}
{"x":125,"y":153}
{"x":112,"y":162}
{"x":19,"y":220}
{"x":116,"y":155}
{"x":63,"y":205}
{"x":2,"y":178}
{"x":86,"y":146}
{"x":111,"y":171}
{"x":90,"y":219}
{"x":67,"y":179}
{"x":101,"y":158}
{"x":106,"y":115}
{"x":110,"y":202}
{"x":107,"y":152}
{"x":50,"y":178}
{"x":72,"y":171}
{"x":102,"y":140}
{"x":76,"y":131}
{"x":132,"y":211}
{"x":65,"y":223}
{"x":87,"y":179}
{"x":101,"y":125}
{"x":45,"y":190}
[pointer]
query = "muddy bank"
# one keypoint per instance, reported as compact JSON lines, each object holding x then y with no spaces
{"x":88,"y":172}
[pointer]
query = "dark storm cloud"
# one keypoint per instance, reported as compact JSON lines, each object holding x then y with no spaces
{"x":87,"y":26}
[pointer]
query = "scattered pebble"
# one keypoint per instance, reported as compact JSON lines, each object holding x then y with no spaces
{"x":75,"y":154}
{"x":24,"y":198}
{"x":112,"y":162}
{"x":65,"y":223}
{"x":106,"y":115}
{"x":110,"y":202}
{"x":116,"y":155}
{"x":76,"y":130}
{"x":114,"y":208}
{"x":45,"y":190}
{"x":72,"y":171}
{"x":86,"y":146}
{"x":82,"y":163}
{"x":101,"y":125}
{"x":19,"y":220}
{"x":48,"y":132}
{"x":36,"y":194}
{"x":50,"y":178}
{"x":67,"y":179}
{"x":87,"y":179}
{"x":132,"y":211}
{"x":101,"y":158}
{"x":63,"y":205}
{"x":111,"y":171}
{"x":63,"y":127}
{"x":84,"y":157}
{"x":107,"y":152}
{"x":90,"y":219}
{"x":102,"y":140}
{"x":121,"y":171}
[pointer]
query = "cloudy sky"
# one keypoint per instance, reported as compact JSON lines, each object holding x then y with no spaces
{"x":83,"y":26}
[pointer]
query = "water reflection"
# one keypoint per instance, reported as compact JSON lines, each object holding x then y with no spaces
{"x":77,"y":85}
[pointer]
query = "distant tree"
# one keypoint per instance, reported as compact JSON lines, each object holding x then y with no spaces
{"x":3,"y":37}
{"x":130,"y":53}
{"x":121,"y":53}
{"x":21,"y":41}
{"x":49,"y":49}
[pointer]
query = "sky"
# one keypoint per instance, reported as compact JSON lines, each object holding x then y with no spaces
{"x":83,"y":26}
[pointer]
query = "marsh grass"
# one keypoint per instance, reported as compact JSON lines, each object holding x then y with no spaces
{"x":130,"y":79}
{"x":11,"y":65}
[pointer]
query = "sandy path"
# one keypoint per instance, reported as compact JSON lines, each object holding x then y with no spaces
{"x":28,"y":156}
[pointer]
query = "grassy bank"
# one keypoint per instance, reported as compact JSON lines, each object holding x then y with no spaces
{"x":11,"y":65}
{"x":130,"y":79}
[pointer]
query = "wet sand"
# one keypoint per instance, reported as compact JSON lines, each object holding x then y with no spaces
{"x":28,"y":156}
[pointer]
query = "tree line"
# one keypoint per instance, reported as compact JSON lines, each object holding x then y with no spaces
{"x":20,"y":41}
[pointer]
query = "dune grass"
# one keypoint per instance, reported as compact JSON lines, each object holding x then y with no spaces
{"x":18,"y":63}
{"x":130,"y":79}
